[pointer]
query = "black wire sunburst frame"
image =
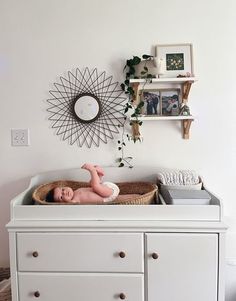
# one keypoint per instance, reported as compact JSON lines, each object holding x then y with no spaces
{"x":111,"y":115}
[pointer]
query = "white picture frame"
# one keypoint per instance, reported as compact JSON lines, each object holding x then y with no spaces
{"x":174,"y":60}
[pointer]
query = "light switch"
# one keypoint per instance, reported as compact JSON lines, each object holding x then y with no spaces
{"x":19,"y":137}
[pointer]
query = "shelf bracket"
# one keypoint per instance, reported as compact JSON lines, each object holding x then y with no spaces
{"x":186,"y":127}
{"x":135,"y":131}
{"x":186,"y":89}
{"x":135,"y":87}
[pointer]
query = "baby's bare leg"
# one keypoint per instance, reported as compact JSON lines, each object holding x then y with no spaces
{"x":97,"y":187}
{"x":99,"y":170}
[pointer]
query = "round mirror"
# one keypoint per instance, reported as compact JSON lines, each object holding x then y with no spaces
{"x":87,"y":107}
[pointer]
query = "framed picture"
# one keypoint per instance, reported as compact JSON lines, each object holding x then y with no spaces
{"x":174,"y":59}
{"x":151,"y":99}
{"x":170,"y":102}
{"x":159,"y":102}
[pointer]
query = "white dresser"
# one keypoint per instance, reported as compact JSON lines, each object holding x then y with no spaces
{"x":105,"y":253}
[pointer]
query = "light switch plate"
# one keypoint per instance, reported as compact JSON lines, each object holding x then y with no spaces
{"x":19,"y":137}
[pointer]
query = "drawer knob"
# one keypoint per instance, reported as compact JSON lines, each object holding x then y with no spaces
{"x":37,"y":294}
{"x":122,"y":254}
{"x":35,"y":254}
{"x":155,"y":255}
{"x":122,"y":296}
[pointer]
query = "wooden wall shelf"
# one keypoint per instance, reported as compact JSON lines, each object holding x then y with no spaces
{"x":177,"y":80}
{"x":186,"y":121}
{"x":162,"y":118}
{"x":183,"y":82}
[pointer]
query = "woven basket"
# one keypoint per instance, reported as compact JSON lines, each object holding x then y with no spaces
{"x":145,"y":192}
{"x":5,"y":295}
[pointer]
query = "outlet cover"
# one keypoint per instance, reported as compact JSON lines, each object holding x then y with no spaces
{"x":19,"y":137}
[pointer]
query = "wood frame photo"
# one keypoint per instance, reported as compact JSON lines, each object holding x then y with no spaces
{"x":152,"y":103}
{"x":161,"y":102}
{"x":175,"y":59}
{"x":170,"y":102}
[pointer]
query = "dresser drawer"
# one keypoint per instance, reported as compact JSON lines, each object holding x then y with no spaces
{"x":84,"y":287}
{"x":81,"y":252}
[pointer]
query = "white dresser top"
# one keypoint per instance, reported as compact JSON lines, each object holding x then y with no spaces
{"x":23,"y":211}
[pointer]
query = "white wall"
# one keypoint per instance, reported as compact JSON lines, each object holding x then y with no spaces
{"x":41,"y":40}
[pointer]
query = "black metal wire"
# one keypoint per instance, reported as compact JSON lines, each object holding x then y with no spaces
{"x":61,"y":107}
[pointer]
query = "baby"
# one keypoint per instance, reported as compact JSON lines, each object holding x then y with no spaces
{"x":97,"y":193}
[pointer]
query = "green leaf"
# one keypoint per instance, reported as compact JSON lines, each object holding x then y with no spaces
{"x":130,"y":90}
{"x":131,"y":70}
{"x":141,"y":104}
{"x":122,"y":87}
{"x":126,"y":82}
{"x":136,"y":60}
{"x":129,"y":63}
{"x":145,"y":68}
{"x":123,"y":144}
{"x":118,"y":141}
{"x":146,"y":56}
{"x":140,"y":123}
{"x":121,"y":164}
{"x":119,"y":148}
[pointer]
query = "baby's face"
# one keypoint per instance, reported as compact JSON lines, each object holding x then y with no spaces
{"x":63,"y":194}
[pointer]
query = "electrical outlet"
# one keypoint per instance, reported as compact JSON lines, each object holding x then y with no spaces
{"x":20,"y":137}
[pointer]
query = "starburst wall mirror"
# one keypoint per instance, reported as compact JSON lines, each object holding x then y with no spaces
{"x":86,"y":107}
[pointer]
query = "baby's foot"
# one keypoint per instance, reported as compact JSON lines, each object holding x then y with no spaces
{"x":99,"y":170}
{"x":88,"y":166}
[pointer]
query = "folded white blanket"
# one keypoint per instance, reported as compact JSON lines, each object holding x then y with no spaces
{"x":178,"y":177}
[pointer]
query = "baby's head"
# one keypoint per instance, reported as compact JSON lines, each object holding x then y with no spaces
{"x":60,"y":194}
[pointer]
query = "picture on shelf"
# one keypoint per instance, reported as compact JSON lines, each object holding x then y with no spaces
{"x":170,"y":102}
{"x":151,"y":99}
{"x":176,"y":59}
{"x":159,"y":102}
